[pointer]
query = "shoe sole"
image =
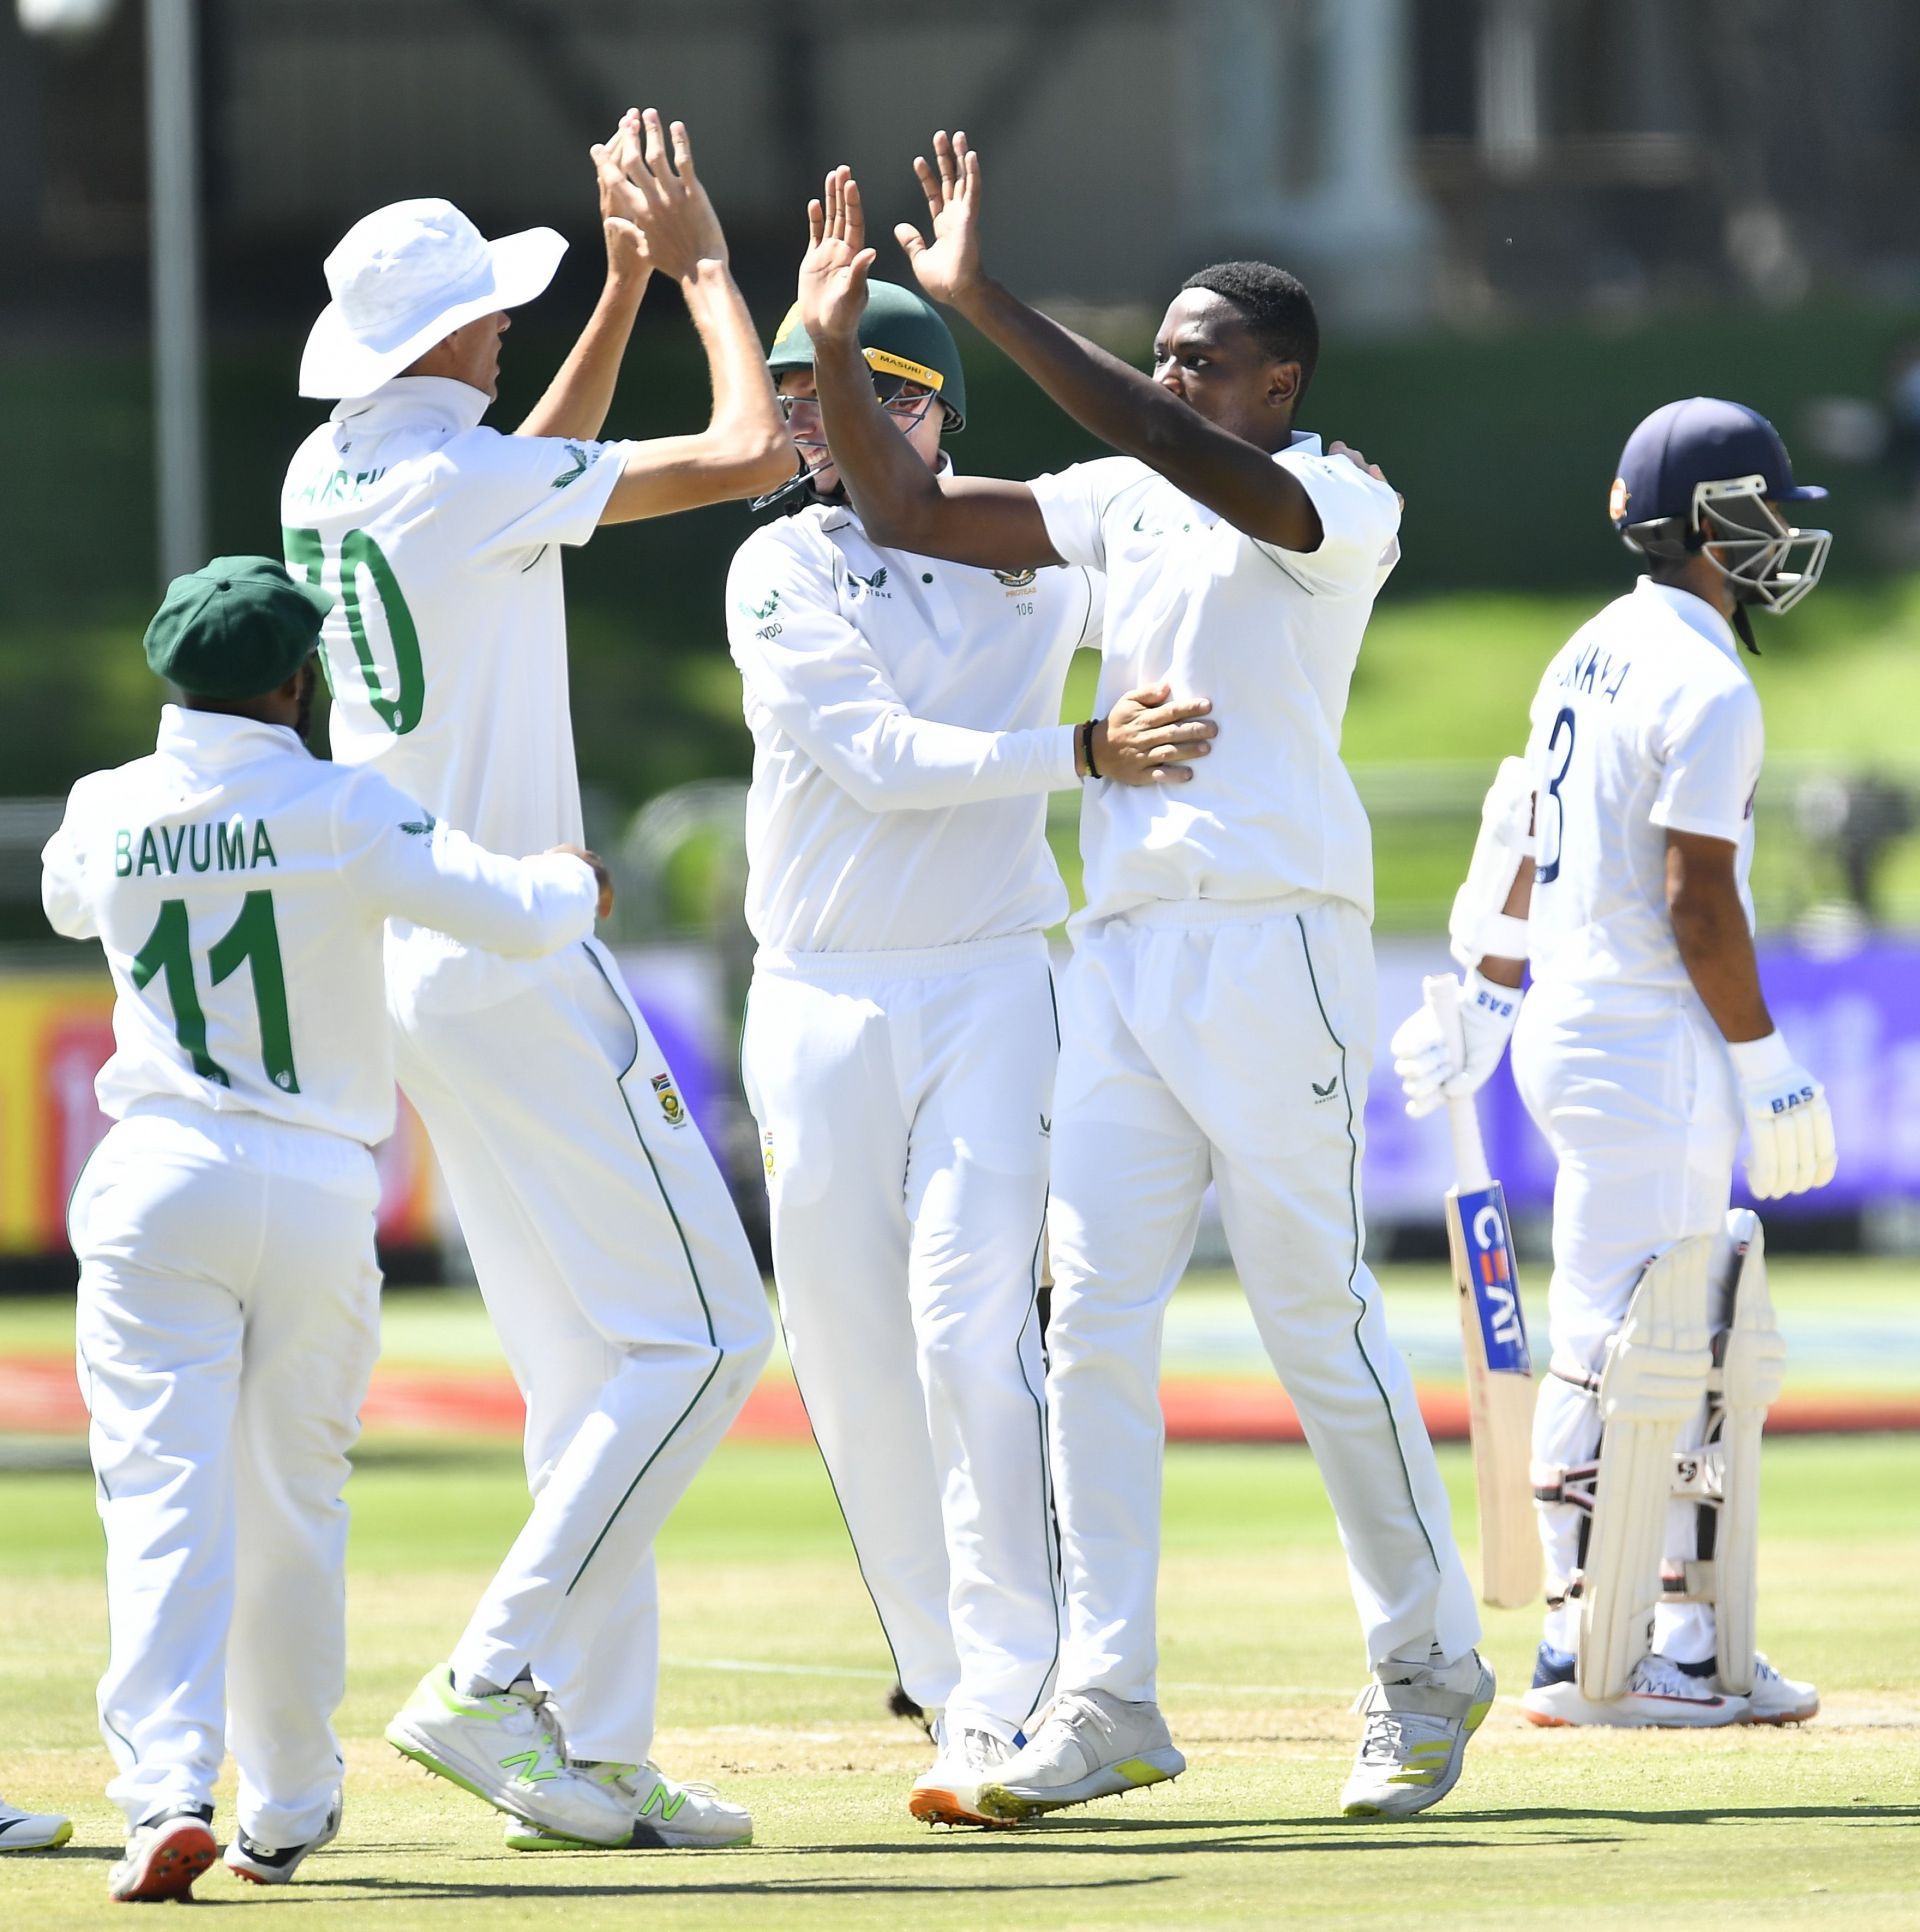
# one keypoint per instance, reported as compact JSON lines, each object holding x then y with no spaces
{"x":1776,"y":1718}
{"x":1598,"y":1717}
{"x":171,"y":1865}
{"x":1424,"y":1797}
{"x":645,"y":1838}
{"x":421,"y":1752}
{"x":1008,"y":1806}
{"x":62,"y":1832}
{"x":933,"y":1806}
{"x":238,"y":1863}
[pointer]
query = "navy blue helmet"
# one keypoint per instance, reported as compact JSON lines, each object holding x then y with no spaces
{"x":1703,"y":474}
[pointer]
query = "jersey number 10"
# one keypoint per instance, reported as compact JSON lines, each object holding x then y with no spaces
{"x":307,"y":552}
{"x":253,"y":936}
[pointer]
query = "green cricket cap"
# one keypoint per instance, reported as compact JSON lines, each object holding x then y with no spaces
{"x":236,"y":628}
{"x":901,"y":334}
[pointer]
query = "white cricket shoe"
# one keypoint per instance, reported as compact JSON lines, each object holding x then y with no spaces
{"x":505,"y":1747}
{"x":1419,"y":1718}
{"x":948,"y":1793}
{"x":1090,"y":1745}
{"x":262,"y":1864}
{"x":165,"y":1854}
{"x":661,"y":1814}
{"x":1659,"y":1695}
{"x":1777,"y":1699}
{"x":31,"y":1830}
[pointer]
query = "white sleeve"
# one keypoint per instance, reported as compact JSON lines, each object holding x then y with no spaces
{"x":1359,"y":528}
{"x":410,"y":867}
{"x":1093,"y":632}
{"x":823,"y":686}
{"x":508,"y":495}
{"x":1710,"y":749}
{"x":1073,"y":505}
{"x":63,"y":879}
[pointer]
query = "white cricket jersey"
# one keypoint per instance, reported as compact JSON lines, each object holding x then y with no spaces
{"x":447,"y":648}
{"x":1645,"y":722}
{"x":1271,"y":636}
{"x":906,"y":728}
{"x":239,"y":887}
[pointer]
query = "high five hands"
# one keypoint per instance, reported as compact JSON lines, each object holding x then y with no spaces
{"x":662,"y":199}
{"x":948,"y":267}
{"x":833,"y":272}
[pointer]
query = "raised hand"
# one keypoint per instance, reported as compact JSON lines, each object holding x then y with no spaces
{"x":948,"y":267}
{"x":613,"y":159}
{"x":664,"y":200}
{"x":833,"y":272}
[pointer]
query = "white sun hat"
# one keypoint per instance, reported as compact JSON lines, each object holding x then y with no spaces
{"x":406,"y":276}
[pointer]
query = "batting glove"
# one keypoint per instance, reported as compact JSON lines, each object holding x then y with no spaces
{"x":1426,"y":1063}
{"x":1789,"y":1124}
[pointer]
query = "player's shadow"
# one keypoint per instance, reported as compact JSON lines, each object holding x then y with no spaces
{"x":765,"y":1888}
{"x":1688,"y":1814}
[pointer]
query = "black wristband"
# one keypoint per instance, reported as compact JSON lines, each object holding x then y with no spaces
{"x":1086,"y":745}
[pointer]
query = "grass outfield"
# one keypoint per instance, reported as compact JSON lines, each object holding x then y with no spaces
{"x":775,"y":1675}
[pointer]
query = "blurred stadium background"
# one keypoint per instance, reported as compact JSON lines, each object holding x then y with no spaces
{"x":1527,"y":222}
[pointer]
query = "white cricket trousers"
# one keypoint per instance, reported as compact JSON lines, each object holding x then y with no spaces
{"x":229,"y":1315}
{"x":626,"y":1300}
{"x":1637,"y":1101}
{"x":1213,"y":1040}
{"x":904,"y":1102}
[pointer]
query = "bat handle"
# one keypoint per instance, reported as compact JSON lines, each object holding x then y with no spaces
{"x":1442,"y":994}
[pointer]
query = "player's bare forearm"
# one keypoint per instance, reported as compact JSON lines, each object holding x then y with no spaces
{"x":1710,"y":929}
{"x":579,"y":396}
{"x":902,"y":504}
{"x":1139,"y":417}
{"x":744,"y":449}
{"x":1510,"y":972}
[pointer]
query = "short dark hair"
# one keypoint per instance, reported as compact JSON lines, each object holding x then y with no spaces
{"x":1277,"y":308}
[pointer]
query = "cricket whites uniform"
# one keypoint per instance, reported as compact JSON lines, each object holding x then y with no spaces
{"x":1217,"y":1024}
{"x":1644,"y":723}
{"x":229,"y":1295}
{"x":609,"y":1254}
{"x":899,"y":1058}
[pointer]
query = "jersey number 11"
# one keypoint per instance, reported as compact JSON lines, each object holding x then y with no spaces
{"x":253,"y":936}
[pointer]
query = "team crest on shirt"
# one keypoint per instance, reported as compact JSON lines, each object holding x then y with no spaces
{"x":671,"y":1105}
{"x":420,"y":827}
{"x":1016,"y":579}
{"x":576,"y":471}
{"x":874,"y":586}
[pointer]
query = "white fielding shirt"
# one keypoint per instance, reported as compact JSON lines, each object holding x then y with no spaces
{"x":1645,"y":722}
{"x":1271,"y":636}
{"x":447,"y":648}
{"x":239,"y":887}
{"x":905,"y":719}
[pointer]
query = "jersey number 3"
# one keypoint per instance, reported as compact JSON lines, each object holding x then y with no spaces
{"x":252,"y":937}
{"x":400,"y":710}
{"x":1548,"y":869}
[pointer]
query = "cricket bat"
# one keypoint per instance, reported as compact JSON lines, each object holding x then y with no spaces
{"x":1493,"y":1336}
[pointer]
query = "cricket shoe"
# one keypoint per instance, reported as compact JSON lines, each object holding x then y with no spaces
{"x":31,"y":1830}
{"x":505,"y":1747}
{"x":1419,"y":1718}
{"x":262,"y":1864}
{"x":1774,"y":1699}
{"x":949,"y":1792}
{"x":661,"y":1814}
{"x":166,"y":1853}
{"x":1090,"y":1745}
{"x":1659,"y":1695}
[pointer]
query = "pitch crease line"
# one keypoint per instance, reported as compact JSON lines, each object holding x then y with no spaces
{"x":758,"y":1668}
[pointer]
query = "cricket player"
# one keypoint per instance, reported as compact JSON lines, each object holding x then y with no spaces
{"x":1615,"y":860}
{"x":612,"y":1262}
{"x":1215,"y":1020}
{"x":229,"y":1295}
{"x":900,"y":1039}
{"x":32,"y":1830}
